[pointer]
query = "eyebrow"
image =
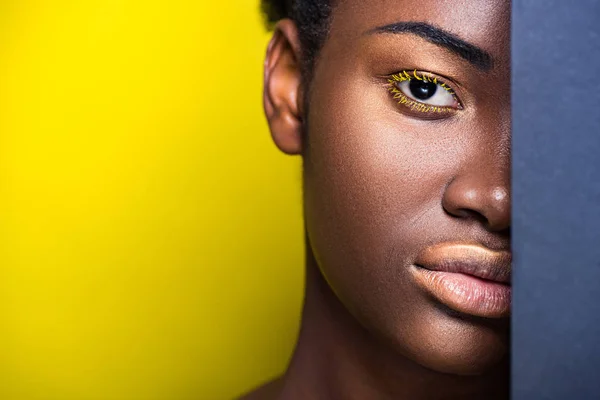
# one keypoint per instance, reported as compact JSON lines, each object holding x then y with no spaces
{"x":473,"y":54}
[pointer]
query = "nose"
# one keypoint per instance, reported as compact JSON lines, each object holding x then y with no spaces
{"x":483,"y":193}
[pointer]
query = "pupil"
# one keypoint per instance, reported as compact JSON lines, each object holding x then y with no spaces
{"x":422,"y":90}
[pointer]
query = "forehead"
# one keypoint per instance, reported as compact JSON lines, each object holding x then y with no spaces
{"x":484,"y":23}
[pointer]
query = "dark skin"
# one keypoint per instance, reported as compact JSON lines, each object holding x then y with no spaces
{"x":382,"y":182}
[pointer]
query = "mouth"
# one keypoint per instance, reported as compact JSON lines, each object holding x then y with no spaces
{"x":467,"y":278}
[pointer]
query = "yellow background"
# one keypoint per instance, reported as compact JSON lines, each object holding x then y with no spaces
{"x":151,"y":235}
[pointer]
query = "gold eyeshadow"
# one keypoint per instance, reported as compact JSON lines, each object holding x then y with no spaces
{"x":413,"y":104}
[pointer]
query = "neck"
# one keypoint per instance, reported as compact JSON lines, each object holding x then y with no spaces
{"x":337,"y":358}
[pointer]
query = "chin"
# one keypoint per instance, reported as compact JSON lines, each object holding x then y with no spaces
{"x":455,"y":344}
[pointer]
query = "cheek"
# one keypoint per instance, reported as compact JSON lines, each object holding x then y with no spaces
{"x":370,"y":185}
{"x":370,"y":176}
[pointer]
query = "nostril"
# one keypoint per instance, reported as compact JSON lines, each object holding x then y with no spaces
{"x":467,"y":213}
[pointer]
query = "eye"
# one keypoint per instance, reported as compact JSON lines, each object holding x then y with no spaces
{"x":427,"y":92}
{"x":423,"y":92}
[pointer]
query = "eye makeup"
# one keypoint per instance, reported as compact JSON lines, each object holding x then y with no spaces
{"x":423,"y":93}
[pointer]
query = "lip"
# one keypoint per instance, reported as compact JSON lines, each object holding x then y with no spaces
{"x":467,"y":278}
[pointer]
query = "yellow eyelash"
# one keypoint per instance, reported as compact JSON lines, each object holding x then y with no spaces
{"x":404,"y":76}
{"x":413,"y":104}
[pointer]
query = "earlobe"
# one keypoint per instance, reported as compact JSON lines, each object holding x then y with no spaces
{"x":282,"y":88}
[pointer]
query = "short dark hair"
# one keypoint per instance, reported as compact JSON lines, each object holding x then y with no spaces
{"x":311,"y":18}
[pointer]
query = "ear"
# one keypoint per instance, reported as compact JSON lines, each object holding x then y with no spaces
{"x":282,"y":95}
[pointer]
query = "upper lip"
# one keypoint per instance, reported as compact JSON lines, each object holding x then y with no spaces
{"x":470,"y":259}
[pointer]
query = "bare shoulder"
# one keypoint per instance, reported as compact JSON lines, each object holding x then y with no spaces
{"x":268,"y":391}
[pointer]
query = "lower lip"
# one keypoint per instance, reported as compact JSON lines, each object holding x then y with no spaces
{"x":465,"y":293}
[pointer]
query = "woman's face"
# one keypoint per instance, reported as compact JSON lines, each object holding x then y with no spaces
{"x":407,"y":172}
